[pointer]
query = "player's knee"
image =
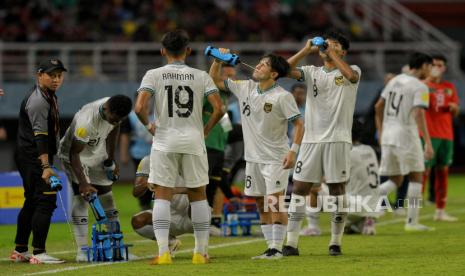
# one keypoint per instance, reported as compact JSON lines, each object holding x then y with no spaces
{"x":336,"y":189}
{"x":300,"y":188}
{"x":139,"y":220}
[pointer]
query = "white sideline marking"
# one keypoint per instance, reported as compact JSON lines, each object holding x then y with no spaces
{"x":145,"y":257}
{"x":388,"y":222}
{"x":402,"y":219}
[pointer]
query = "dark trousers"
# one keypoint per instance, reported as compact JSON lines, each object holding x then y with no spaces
{"x":215,"y":173}
{"x":39,"y":204}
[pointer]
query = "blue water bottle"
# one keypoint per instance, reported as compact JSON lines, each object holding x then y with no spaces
{"x":320,"y":42}
{"x":55,"y":183}
{"x":231,"y":59}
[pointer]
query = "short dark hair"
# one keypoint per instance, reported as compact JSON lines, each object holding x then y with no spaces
{"x":278,"y":64}
{"x":439,"y":57}
{"x":339,"y":37}
{"x":175,"y":42}
{"x":417,"y":60}
{"x":298,"y":85}
{"x":120,"y":105}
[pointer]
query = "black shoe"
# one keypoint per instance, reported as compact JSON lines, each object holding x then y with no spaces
{"x":263,"y":255}
{"x":335,"y":250}
{"x":290,"y":251}
{"x":274,"y":253}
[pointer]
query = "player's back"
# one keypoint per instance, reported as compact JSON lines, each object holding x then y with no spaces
{"x":402,"y":94}
{"x":89,"y":127}
{"x":179,"y":93}
{"x":364,"y":179}
{"x":363,"y":170}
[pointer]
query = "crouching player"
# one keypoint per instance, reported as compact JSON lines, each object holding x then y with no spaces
{"x":363,"y":186}
{"x":87,"y":154}
{"x":142,"y":222}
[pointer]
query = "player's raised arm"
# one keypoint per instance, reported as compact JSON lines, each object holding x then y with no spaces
{"x":142,"y":109}
{"x":295,"y":59}
{"x":215,"y":71}
{"x":345,"y":68}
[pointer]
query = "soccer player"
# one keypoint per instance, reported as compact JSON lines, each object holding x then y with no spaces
{"x":444,"y":105}
{"x":266,"y":110}
{"x":363,"y":182}
{"x":87,"y":153}
{"x":142,"y":222}
{"x":179,"y":143}
{"x":400,"y":115}
{"x":327,"y":140}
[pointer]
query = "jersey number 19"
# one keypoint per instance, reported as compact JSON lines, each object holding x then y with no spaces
{"x":188,"y":105}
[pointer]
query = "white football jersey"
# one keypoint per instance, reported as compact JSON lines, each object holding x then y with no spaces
{"x":265,"y":116}
{"x":179,"y":92}
{"x":179,"y":203}
{"x":364,"y":179}
{"x":89,"y":127}
{"x":402,"y":94}
{"x":330,"y":105}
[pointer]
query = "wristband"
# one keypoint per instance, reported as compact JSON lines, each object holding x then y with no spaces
{"x":295,"y":148}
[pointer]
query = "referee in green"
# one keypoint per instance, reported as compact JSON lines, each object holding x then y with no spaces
{"x":36,"y":146}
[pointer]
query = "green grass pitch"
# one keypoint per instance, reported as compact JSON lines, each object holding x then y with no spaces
{"x":390,"y":252}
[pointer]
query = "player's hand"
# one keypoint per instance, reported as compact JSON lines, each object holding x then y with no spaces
{"x":429,"y":153}
{"x":151,"y":128}
{"x":289,"y":160}
{"x":116,"y":171}
{"x":453,"y":108}
{"x":311,"y":49}
{"x":331,"y":47}
{"x":85,"y":190}
{"x":46,"y":173}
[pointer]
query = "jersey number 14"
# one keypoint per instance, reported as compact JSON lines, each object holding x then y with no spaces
{"x":393,"y":104}
{"x":176,"y":100}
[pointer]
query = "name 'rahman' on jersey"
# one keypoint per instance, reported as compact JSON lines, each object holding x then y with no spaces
{"x":177,"y":76}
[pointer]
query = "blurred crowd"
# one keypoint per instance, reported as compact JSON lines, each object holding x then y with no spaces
{"x":146,"y":20}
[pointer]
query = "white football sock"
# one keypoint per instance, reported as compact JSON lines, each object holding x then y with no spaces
{"x":296,"y":215}
{"x":338,"y":220}
{"x":386,"y":187}
{"x":161,"y":224}
{"x":313,"y":218}
{"x":279,"y":232}
{"x":267,"y":230}
{"x":414,"y":200}
{"x":200,"y":214}
{"x":80,"y":219}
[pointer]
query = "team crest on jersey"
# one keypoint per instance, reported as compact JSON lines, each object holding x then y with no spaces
{"x":339,"y":80}
{"x":81,"y":132}
{"x":267,"y":107}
